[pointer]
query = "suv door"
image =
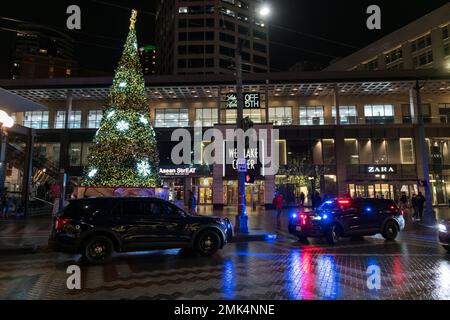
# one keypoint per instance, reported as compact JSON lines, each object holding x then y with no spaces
{"x":371,"y":213}
{"x":169,"y":222}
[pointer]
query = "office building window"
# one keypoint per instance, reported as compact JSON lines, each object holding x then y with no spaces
{"x":371,"y":65}
{"x":74,"y":120}
{"x":94,"y":119}
{"x":379,"y":113}
{"x":423,"y":59}
{"x":421,"y":43}
{"x":328,"y":152}
{"x":254,"y":115}
{"x":85,"y":152}
{"x":394,"y":55}
{"x":280,"y":116}
{"x":172,"y":118}
{"x":445,"y":32}
{"x":208,"y":116}
{"x":311,"y":115}
{"x":36,"y":119}
{"x":348,"y":114}
{"x":447,"y":49}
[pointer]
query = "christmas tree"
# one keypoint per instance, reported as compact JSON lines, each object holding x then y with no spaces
{"x":125,"y":153}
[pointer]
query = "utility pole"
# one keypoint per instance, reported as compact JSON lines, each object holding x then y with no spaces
{"x":429,"y":214}
{"x":241,"y":218}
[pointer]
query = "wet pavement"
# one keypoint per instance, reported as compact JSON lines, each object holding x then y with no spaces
{"x":413,"y":267}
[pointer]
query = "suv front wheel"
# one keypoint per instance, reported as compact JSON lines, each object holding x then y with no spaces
{"x":98,"y":250}
{"x":390,"y":231}
{"x":207,"y":243}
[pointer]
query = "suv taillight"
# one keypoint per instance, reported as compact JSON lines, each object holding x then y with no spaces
{"x":61,"y":222}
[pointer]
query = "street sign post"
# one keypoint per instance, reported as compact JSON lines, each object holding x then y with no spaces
{"x":241,"y":165}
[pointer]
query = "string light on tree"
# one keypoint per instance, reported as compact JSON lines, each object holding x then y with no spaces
{"x":144,"y":168}
{"x":123,"y":126}
{"x":143,"y":120}
{"x":92,"y":173}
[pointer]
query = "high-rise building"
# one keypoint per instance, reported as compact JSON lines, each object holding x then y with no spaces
{"x":42,"y":52}
{"x":147,"y":54}
{"x":200,"y":37}
{"x":422,"y":44}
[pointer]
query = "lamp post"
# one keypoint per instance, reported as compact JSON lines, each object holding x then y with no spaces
{"x":6,"y":122}
{"x":242,"y":218}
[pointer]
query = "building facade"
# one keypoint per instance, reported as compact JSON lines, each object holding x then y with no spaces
{"x":367,"y":146}
{"x":196,"y":37}
{"x":422,"y":44}
{"x":147,"y":55}
{"x":42,"y":52}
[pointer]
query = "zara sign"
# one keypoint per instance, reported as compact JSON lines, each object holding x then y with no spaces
{"x":381,"y":169}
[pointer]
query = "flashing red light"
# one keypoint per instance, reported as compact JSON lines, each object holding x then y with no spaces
{"x":61,"y":222}
{"x":401,"y":212}
{"x":344,"y":201}
{"x":302,"y":216}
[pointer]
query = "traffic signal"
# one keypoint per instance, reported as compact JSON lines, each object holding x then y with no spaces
{"x":249,"y":178}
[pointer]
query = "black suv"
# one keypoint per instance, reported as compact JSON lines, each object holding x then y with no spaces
{"x":96,"y":227}
{"x":444,"y":234}
{"x":348,"y":218}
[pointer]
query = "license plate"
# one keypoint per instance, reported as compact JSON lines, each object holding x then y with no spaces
{"x":298,"y":228}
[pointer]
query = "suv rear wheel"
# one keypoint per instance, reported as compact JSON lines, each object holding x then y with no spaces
{"x":333,"y":234}
{"x":98,"y":250}
{"x":390,"y":230}
{"x":207,"y":243}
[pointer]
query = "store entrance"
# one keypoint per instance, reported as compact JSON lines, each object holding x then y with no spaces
{"x":254,"y":193}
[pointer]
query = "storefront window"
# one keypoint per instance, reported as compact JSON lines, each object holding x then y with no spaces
{"x":311,"y":115}
{"x":379,"y":151}
{"x":351,"y":151}
{"x":444,"y":112}
{"x":75,"y":154}
{"x":36,"y":119}
{"x":94,"y":119}
{"x":208,"y":117}
{"x":172,"y":118}
{"x":348,"y":114}
{"x":407,"y":151}
{"x":365,"y":151}
{"x":48,"y":153}
{"x":280,"y":116}
{"x":328,"y":152}
{"x":393,"y":154}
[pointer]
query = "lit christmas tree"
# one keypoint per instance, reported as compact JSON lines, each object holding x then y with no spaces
{"x":125,"y":153}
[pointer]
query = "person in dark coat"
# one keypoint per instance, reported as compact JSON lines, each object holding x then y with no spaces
{"x":414,"y":206}
{"x":192,"y":203}
{"x":420,"y":205}
{"x":302,"y":199}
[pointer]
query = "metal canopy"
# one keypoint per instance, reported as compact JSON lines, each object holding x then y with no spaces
{"x":12,"y":102}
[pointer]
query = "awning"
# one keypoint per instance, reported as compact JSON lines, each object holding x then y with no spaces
{"x":11,"y":102}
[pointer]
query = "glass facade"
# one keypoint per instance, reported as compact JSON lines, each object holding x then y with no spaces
{"x":280,"y":116}
{"x":172,"y":118}
{"x":311,"y":115}
{"x":74,"y":120}
{"x":36,"y":119}
{"x":208,"y":117}
{"x":379,"y":113}
{"x":94,"y":119}
{"x":348,"y":114}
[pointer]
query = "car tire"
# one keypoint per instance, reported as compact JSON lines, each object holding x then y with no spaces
{"x":98,"y":250}
{"x":333,"y":234}
{"x":207,"y":243}
{"x":390,"y":230}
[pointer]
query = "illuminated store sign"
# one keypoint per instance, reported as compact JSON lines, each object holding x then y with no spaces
{"x":251,"y":101}
{"x":381,"y":169}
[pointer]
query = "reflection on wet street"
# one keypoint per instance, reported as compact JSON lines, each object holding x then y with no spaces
{"x":413,"y":267}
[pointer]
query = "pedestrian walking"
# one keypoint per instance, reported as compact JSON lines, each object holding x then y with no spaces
{"x":278,"y":204}
{"x":192,"y":203}
{"x":55,"y":193}
{"x":302,"y":199}
{"x":7,"y":205}
{"x":316,"y":200}
{"x":420,"y":205}
{"x":414,"y":207}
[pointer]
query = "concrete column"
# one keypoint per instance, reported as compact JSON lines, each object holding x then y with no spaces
{"x":407,"y":56}
{"x":438,"y":48}
{"x":341,"y":166}
{"x":28,"y":170}
{"x":267,"y":101}
{"x":381,"y":62}
{"x":219,"y":105}
{"x":69,"y":102}
{"x":337,"y":104}
{"x":3,"y":148}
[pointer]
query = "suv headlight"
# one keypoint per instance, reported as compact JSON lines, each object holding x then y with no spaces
{"x":442,"y":228}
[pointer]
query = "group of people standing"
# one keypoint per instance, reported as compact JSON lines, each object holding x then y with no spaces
{"x":278,"y":202}
{"x":417,"y":204}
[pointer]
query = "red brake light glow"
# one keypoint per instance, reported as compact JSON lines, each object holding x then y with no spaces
{"x":344,"y":201}
{"x":61,"y":222}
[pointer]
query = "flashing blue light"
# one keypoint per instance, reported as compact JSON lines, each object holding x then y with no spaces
{"x":368,"y":209}
{"x":325,"y":216}
{"x":329,"y":202}
{"x":294,"y":216}
{"x":271,"y":237}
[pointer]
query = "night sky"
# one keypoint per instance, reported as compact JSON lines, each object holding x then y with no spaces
{"x":104,"y":27}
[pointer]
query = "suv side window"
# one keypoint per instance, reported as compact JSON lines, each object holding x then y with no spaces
{"x":132,"y":208}
{"x":158,"y":208}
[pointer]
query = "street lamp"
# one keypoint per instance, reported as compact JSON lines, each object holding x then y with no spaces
{"x":6,"y":122}
{"x":241,"y":225}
